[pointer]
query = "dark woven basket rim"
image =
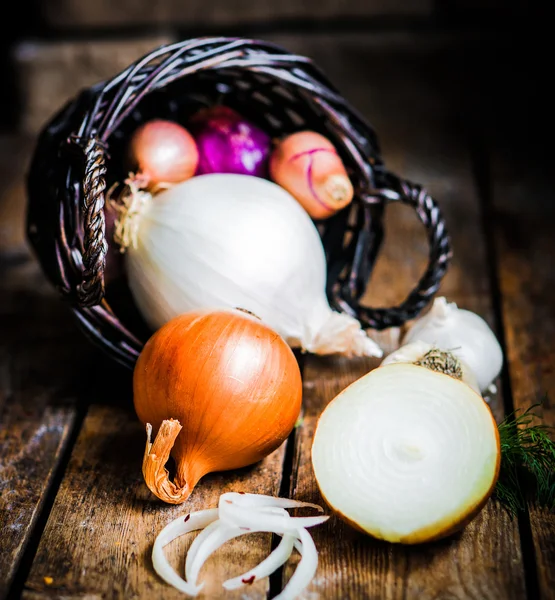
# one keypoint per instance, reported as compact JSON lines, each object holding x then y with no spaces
{"x":284,"y":93}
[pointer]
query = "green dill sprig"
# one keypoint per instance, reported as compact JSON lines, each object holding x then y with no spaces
{"x":527,"y":458}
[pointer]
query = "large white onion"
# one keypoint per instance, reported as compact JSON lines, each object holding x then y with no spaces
{"x":227,"y":241}
{"x":406,"y":454}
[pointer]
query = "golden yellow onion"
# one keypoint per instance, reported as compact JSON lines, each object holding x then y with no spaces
{"x":221,"y":389}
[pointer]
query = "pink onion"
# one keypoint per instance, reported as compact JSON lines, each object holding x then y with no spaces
{"x":228,"y":143}
{"x":307,"y":165}
{"x":162,"y":152}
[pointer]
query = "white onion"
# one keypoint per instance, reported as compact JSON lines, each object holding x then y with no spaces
{"x":463,"y":333}
{"x":228,"y":241}
{"x":406,"y":454}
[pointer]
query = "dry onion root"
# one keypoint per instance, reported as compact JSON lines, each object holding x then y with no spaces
{"x":240,"y":514}
{"x":407,"y":454}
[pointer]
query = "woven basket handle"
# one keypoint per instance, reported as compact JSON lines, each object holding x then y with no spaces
{"x":91,"y":289}
{"x":394,"y":189}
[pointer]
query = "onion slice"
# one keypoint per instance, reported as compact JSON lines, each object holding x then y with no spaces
{"x":238,"y":511}
{"x":300,"y":579}
{"x":240,"y":514}
{"x":175,"y":529}
{"x":262,"y":501}
{"x":407,"y":454}
{"x":271,"y":563}
{"x":203,"y":535}
{"x":306,"y":569}
{"x":219,"y":534}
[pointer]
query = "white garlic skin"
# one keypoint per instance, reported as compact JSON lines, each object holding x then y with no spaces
{"x":463,"y":333}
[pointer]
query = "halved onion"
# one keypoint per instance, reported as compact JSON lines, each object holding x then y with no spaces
{"x":406,"y":454}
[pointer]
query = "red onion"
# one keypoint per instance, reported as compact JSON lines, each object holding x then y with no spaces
{"x":228,"y":143}
{"x":162,"y":152}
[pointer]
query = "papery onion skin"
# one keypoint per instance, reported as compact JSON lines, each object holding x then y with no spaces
{"x":233,"y":384}
{"x":229,"y":143}
{"x":439,"y":529}
{"x":307,"y":165}
{"x":162,"y":153}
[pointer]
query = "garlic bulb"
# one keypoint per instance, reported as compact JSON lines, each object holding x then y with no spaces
{"x":463,"y":333}
{"x":416,"y":352}
{"x":235,"y":241}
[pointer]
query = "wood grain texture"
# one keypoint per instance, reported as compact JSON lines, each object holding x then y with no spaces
{"x":37,"y":397}
{"x":98,"y":539}
{"x":407,"y":97}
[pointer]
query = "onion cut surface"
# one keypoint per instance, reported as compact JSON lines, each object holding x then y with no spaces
{"x":231,"y":520}
{"x":406,"y":454}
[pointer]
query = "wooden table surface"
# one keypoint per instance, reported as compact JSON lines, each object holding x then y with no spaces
{"x":454,"y":113}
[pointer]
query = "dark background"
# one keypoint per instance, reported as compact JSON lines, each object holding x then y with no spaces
{"x":51,"y":48}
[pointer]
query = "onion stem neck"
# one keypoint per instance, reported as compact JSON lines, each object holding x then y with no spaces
{"x":442,"y":361}
{"x":156,"y":455}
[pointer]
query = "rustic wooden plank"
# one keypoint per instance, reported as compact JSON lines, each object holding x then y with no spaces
{"x":194,"y":13}
{"x":38,"y":348}
{"x":522,"y":218}
{"x":99,"y":536}
{"x":33,"y":435}
{"x":405,"y":96}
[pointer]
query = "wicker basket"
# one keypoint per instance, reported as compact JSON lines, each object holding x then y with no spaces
{"x":81,"y":151}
